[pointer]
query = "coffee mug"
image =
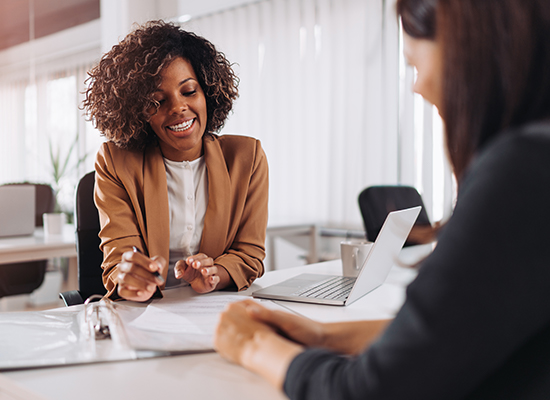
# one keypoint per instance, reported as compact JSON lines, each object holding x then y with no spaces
{"x":353,"y":254}
{"x":53,"y":223}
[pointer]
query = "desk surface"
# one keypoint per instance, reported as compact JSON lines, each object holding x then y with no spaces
{"x":207,"y":375}
{"x":38,"y":246}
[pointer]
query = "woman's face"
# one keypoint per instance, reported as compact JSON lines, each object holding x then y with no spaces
{"x":425,"y":55}
{"x":180,"y":120}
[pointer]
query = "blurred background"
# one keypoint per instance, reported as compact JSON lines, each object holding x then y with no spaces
{"x":323,"y":85}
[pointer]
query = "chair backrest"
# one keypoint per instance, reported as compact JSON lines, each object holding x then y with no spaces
{"x":90,"y":256}
{"x":376,"y":202}
{"x":45,"y":202}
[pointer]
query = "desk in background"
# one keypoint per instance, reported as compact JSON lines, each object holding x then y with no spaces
{"x":204,"y":376}
{"x":294,"y":243}
{"x":38,"y":246}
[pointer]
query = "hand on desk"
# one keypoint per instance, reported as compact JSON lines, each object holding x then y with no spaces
{"x":266,"y":341}
{"x":136,"y":280}
{"x":242,"y":339}
{"x":294,"y":327}
{"x":350,"y":337}
{"x":201,"y":273}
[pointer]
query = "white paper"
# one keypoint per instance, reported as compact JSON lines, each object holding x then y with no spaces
{"x":181,"y":321}
{"x":195,"y":315}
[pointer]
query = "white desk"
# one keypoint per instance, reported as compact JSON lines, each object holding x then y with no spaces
{"x":202,"y":376}
{"x":282,"y":229}
{"x":38,"y":246}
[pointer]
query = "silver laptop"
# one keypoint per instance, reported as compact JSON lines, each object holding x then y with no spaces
{"x":17,"y":209}
{"x":340,"y":290}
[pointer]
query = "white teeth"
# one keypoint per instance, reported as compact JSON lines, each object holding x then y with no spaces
{"x":183,"y":126}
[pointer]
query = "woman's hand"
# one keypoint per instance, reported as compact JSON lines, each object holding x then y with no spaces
{"x":253,"y":344}
{"x":136,"y":280}
{"x":236,"y":330}
{"x":351,"y":337}
{"x":294,"y":327}
{"x":201,"y":273}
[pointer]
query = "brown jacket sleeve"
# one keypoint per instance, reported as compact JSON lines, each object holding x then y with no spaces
{"x":245,"y":205}
{"x":120,"y":215}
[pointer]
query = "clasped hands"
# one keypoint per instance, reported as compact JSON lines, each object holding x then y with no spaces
{"x":137,"y":282}
{"x":266,"y":341}
{"x":263,"y":340}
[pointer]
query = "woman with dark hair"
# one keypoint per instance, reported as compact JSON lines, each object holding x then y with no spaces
{"x":476,"y":321}
{"x":177,"y":203}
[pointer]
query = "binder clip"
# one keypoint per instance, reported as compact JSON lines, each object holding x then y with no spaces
{"x":101,"y":332}
{"x":94,"y":319}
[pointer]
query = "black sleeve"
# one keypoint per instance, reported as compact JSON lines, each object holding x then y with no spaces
{"x":478,"y":298}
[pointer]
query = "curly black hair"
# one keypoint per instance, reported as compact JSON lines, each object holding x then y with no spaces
{"x":120,"y":88}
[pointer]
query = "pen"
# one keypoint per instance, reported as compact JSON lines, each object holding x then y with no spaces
{"x":156,"y":273}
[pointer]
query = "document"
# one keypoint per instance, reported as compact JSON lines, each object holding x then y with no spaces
{"x":181,"y":322}
{"x":177,"y":323}
{"x":53,"y":337}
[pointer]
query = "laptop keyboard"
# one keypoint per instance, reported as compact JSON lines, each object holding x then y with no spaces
{"x":332,"y":288}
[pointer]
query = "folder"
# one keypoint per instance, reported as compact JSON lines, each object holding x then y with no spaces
{"x":105,"y":331}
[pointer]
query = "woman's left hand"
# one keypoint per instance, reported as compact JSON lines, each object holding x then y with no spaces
{"x":253,"y":344}
{"x":235,"y":331}
{"x":200,"y":272}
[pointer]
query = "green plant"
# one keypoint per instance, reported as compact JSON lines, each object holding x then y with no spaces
{"x":59,"y":167}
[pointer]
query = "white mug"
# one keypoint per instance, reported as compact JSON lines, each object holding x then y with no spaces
{"x":353,"y":254}
{"x":53,"y":223}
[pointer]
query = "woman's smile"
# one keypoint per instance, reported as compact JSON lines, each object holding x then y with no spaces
{"x":182,"y":126}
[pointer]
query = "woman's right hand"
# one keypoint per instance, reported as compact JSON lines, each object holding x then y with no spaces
{"x":350,"y":337}
{"x":294,"y":327}
{"x":136,"y":280}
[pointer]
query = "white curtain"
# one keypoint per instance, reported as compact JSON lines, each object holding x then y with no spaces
{"x":320,"y":88}
{"x":12,"y":132}
{"x":40,"y":116}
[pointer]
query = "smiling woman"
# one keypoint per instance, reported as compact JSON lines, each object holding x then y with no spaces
{"x":194,"y":203}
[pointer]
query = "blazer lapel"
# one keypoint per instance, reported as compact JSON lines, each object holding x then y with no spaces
{"x":218,"y":212}
{"x":155,"y":193}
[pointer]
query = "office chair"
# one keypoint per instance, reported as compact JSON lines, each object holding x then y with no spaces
{"x":89,"y":255}
{"x":376,"y":202}
{"x":25,"y":277}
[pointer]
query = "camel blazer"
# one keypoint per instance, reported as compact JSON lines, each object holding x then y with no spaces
{"x":132,"y":198}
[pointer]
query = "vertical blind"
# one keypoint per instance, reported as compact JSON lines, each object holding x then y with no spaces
{"x":320,"y":86}
{"x":315,"y":88}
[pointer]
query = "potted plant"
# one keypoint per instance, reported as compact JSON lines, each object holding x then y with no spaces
{"x":59,"y":168}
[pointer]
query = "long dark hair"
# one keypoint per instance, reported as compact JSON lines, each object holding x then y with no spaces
{"x":496,"y":66}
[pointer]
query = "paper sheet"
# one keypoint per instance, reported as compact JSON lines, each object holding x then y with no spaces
{"x":181,"y":322}
{"x":177,"y":324}
{"x":196,"y":315}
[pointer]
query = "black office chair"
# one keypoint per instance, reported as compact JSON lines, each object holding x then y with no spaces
{"x":376,"y":202}
{"x":89,"y":255}
{"x":25,"y":277}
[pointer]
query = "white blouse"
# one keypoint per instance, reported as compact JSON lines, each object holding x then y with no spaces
{"x":187,"y":200}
